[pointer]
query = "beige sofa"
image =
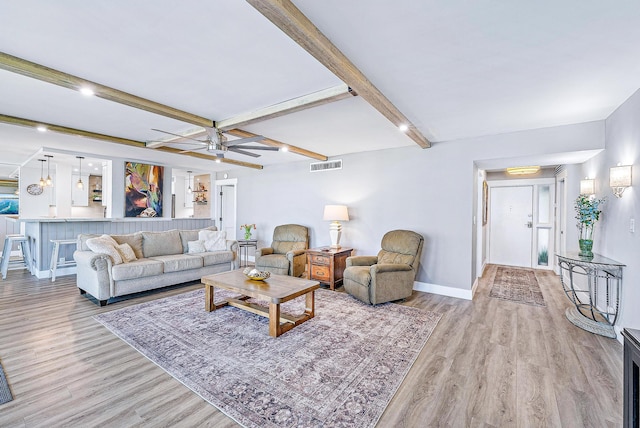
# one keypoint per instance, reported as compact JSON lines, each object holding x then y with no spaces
{"x":162,"y":260}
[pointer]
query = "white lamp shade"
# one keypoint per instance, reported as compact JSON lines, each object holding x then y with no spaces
{"x":335,"y":213}
{"x":620,"y":176}
{"x":587,"y":186}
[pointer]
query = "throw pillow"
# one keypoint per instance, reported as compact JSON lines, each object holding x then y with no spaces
{"x":213,"y":240}
{"x":127,"y":253}
{"x":105,"y":245}
{"x":196,"y":247}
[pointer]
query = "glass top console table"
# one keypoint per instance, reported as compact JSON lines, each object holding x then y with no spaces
{"x":593,"y":285}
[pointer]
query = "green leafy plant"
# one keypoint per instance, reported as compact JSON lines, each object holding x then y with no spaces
{"x":587,"y":213}
{"x":247,"y":230}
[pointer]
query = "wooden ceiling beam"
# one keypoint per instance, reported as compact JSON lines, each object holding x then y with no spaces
{"x":69,"y":131}
{"x":286,"y":16}
{"x":274,"y":143}
{"x":12,"y":120}
{"x":315,"y":99}
{"x":60,"y":78}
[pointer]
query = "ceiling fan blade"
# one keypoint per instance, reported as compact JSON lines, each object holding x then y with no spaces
{"x":244,"y":140}
{"x":178,"y":135}
{"x":192,"y":150}
{"x":271,"y":149}
{"x":243,"y":152}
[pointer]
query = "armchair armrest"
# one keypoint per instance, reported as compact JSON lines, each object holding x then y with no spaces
{"x":264,"y":251}
{"x":362,"y":260}
{"x":297,"y":262}
{"x":294,"y":253}
{"x":390,"y":267}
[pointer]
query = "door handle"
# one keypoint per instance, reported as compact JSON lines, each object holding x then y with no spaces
{"x":529,"y":224}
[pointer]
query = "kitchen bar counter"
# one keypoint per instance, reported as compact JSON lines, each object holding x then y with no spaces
{"x":41,"y":231}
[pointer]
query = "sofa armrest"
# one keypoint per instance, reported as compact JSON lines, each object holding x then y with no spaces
{"x":362,"y":260}
{"x":94,"y":274}
{"x":232,"y":245}
{"x":264,"y":251}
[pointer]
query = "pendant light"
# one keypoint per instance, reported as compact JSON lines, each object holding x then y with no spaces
{"x":79,"y":184}
{"x":48,"y":181}
{"x":42,"y":182}
{"x":189,"y":189}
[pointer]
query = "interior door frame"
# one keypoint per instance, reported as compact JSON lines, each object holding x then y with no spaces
{"x":535,"y":182}
{"x":233,"y":182}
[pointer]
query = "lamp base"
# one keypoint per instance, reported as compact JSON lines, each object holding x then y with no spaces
{"x":335,"y":231}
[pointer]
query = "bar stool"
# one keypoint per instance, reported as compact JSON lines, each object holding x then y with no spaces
{"x":23,"y":242}
{"x":55,"y":263}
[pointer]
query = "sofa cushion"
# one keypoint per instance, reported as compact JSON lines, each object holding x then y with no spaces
{"x":127,"y":253}
{"x":139,"y":268}
{"x":216,"y":257}
{"x":161,"y":243}
{"x":180,"y":262}
{"x":196,"y":247}
{"x":187,"y":236}
{"x":279,"y":261}
{"x":105,"y":245}
{"x":82,"y":241}
{"x":213,"y":240}
{"x":134,"y":240}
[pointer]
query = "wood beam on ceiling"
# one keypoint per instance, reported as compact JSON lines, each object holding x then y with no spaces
{"x":12,"y":120}
{"x":69,"y":131}
{"x":315,"y":99}
{"x":56,"y":77}
{"x":209,"y":157}
{"x":286,"y":16}
{"x":274,"y":143}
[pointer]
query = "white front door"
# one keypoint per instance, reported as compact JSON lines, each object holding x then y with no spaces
{"x":511,"y":216}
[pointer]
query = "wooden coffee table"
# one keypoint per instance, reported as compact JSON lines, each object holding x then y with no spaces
{"x":277,"y":289}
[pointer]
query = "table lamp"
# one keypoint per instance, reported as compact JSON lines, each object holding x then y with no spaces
{"x":335,"y":214}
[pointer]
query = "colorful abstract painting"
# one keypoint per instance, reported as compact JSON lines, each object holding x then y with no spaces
{"x":9,"y":204}
{"x":143,"y":189}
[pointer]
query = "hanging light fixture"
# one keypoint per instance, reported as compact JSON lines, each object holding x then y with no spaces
{"x":80,"y":184}
{"x":42,"y":182}
{"x":48,"y":181}
{"x":189,"y":189}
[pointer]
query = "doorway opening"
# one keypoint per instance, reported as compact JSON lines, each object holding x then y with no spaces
{"x":226,"y":206}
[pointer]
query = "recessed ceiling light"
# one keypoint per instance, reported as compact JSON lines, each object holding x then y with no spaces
{"x":41,"y":128}
{"x":218,"y":161}
{"x":90,"y":164}
{"x":284,"y":149}
{"x":403,"y":128}
{"x":87,"y":91}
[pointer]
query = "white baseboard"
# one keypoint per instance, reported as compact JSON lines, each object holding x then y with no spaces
{"x":61,"y":271}
{"x":443,"y":290}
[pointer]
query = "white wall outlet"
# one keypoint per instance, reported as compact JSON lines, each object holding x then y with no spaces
{"x":632,"y":225}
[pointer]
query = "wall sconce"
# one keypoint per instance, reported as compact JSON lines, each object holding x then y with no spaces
{"x":335,"y":214}
{"x":588,"y":187}
{"x":619,"y":179}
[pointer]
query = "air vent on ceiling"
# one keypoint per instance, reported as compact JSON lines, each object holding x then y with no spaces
{"x":325,"y":166}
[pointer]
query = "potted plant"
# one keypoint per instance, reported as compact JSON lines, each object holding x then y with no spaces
{"x":587,"y":213}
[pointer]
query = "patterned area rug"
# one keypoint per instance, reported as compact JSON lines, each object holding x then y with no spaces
{"x":5,"y":392}
{"x":518,"y":285}
{"x":341,"y":368}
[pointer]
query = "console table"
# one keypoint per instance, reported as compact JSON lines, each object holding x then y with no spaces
{"x":631,"y":414}
{"x":593,"y":285}
{"x":326,"y":264}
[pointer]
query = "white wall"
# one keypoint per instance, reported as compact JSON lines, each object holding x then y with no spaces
{"x":429,"y":191}
{"x":612,"y":237}
{"x":35,"y":206}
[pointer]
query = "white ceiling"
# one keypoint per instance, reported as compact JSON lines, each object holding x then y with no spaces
{"x":456,"y":69}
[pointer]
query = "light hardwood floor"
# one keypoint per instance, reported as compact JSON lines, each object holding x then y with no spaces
{"x":489,"y":363}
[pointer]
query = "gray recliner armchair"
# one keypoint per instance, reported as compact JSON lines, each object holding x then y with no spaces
{"x":286,"y":256}
{"x":389,"y":275}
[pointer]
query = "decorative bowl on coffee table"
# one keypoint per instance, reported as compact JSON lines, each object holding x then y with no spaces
{"x":255,"y":274}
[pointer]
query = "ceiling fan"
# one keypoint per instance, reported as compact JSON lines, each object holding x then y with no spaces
{"x":216,"y":143}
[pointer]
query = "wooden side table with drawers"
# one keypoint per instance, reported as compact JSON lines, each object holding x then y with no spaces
{"x":326,"y":264}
